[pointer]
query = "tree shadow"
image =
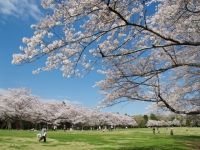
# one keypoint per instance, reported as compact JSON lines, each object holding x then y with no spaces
{"x":151,"y":148}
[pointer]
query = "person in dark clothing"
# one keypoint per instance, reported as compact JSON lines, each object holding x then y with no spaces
{"x":154,"y":130}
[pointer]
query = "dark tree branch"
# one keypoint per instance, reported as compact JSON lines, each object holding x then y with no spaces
{"x":175,"y":110}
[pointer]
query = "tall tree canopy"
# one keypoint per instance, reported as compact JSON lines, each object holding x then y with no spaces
{"x":149,"y":49}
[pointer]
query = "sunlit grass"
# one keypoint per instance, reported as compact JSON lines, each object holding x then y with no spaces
{"x":126,"y":139}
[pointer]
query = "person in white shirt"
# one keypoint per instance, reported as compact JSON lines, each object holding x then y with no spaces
{"x":43,"y":134}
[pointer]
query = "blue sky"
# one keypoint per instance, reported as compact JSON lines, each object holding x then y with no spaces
{"x":15,"y":24}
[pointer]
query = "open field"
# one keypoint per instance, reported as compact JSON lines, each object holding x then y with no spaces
{"x":126,"y":139}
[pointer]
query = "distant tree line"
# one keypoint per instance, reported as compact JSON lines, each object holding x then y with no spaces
{"x":19,"y":109}
{"x":185,"y":120}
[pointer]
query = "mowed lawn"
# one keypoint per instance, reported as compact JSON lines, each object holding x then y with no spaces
{"x":124,"y":139}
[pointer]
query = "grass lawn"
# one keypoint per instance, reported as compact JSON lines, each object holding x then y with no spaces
{"x":126,"y":139}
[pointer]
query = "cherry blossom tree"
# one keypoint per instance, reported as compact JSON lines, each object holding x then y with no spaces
{"x":157,"y":123}
{"x":175,"y":122}
{"x":161,"y":68}
{"x":148,"y":49}
{"x":18,"y":105}
{"x":162,"y":123}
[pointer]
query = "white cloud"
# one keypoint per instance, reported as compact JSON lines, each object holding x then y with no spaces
{"x":20,"y":8}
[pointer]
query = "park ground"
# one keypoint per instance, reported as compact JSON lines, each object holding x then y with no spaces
{"x":121,"y":139}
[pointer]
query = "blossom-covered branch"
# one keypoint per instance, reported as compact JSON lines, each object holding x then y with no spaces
{"x":147,"y":49}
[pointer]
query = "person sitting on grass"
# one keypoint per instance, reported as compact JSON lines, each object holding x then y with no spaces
{"x":43,"y":135}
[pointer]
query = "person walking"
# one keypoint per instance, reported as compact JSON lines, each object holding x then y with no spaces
{"x":154,"y":130}
{"x":43,"y":134}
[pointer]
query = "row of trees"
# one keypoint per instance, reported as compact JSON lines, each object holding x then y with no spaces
{"x":148,"y":49}
{"x":162,"y":123}
{"x":18,"y":107}
{"x":167,"y":120}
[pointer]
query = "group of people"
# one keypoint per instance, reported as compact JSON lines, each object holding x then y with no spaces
{"x":43,"y":134}
{"x":154,"y":130}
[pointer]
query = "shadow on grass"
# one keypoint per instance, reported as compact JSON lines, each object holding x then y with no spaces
{"x":54,"y":145}
{"x":188,"y":137}
{"x":151,"y":148}
{"x":18,"y":146}
{"x":190,"y":141}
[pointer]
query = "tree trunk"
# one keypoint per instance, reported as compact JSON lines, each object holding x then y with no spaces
{"x":9,"y":126}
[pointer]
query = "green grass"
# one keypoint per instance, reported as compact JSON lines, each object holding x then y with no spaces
{"x":126,"y":139}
